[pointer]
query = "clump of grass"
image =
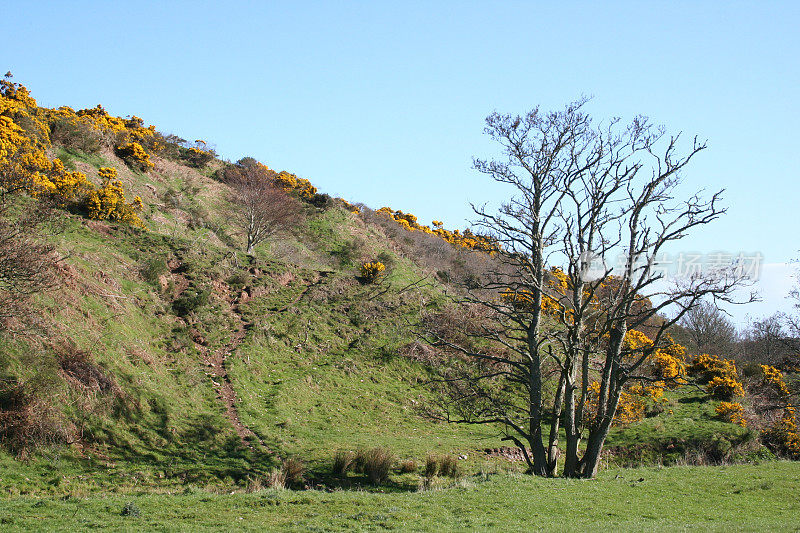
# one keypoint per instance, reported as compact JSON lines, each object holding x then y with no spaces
{"x":431,"y":467}
{"x":343,"y":462}
{"x":445,"y":466}
{"x":359,"y":460}
{"x":375,"y":464}
{"x":293,"y":470}
{"x":290,"y":473}
{"x":254,"y":484}
{"x":407,"y":466}
{"x":276,"y":479}
{"x":448,"y":467}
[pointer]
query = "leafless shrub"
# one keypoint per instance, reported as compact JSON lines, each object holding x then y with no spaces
{"x":28,"y":420}
{"x":76,"y":134}
{"x":419,"y":352}
{"x":78,"y":369}
{"x":27,"y":261}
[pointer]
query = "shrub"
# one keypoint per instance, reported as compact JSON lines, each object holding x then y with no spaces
{"x":109,"y":202}
{"x":706,"y":367}
{"x":27,"y":420}
{"x":370,"y":272}
{"x":189,"y":301}
{"x":321,"y":201}
{"x":348,"y":251}
{"x":782,"y":437}
{"x":719,"y":375}
{"x":135,"y":156}
{"x":152,"y":268}
{"x":668,"y":364}
{"x":731,"y":412}
{"x":342,"y":463}
{"x":78,"y":367}
{"x":71,"y":132}
{"x":199,"y":155}
{"x":773,"y":379}
{"x":239,"y":279}
{"x":724,"y":388}
{"x":130,"y":509}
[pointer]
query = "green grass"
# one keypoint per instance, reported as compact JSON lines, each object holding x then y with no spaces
{"x":736,"y":498}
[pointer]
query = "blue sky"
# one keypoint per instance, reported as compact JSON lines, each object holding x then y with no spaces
{"x":384,"y":102}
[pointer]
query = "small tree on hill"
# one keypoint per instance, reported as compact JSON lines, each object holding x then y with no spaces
{"x":262,"y":209}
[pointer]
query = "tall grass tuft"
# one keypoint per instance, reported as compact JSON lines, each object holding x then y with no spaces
{"x":343,"y":462}
{"x":375,"y":464}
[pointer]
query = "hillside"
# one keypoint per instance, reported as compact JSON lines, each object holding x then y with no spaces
{"x":166,"y":357}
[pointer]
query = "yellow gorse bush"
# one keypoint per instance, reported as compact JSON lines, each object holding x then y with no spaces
{"x":724,"y":388}
{"x":731,"y":412}
{"x":718,"y":374}
{"x":782,"y":436}
{"x":291,"y":183}
{"x":774,"y":379}
{"x":467,"y":239}
{"x":25,"y":166}
{"x":135,"y":156}
{"x":109,"y":203}
{"x":631,"y":408}
{"x":371,"y":271}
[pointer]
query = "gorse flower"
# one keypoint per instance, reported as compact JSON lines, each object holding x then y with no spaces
{"x":26,"y":167}
{"x":467,"y":239}
{"x":371,"y":271}
{"x":731,"y":412}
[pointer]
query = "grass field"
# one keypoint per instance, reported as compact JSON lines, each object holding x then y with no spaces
{"x":732,"y":498}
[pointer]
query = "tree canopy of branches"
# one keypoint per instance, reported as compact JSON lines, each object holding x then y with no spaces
{"x":261,"y":207}
{"x":552,"y":345}
{"x":709,"y":330}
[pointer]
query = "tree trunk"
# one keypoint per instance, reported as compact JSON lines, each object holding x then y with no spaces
{"x":597,"y":438}
{"x":552,"y":448}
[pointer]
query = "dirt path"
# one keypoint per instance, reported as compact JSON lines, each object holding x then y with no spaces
{"x":217,"y":361}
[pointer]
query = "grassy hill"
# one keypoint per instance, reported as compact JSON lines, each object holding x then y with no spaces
{"x":310,"y":352}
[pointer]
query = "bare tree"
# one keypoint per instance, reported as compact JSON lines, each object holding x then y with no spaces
{"x":709,"y":329}
{"x":768,"y":341}
{"x":262,"y":209}
{"x":581,"y":194}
